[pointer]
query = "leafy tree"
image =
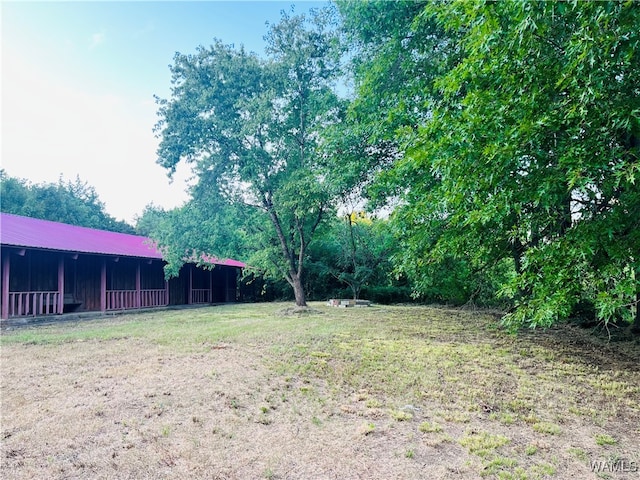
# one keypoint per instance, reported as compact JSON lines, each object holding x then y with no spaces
{"x":352,"y":255}
{"x":526,"y":149}
{"x":398,"y":54}
{"x":540,"y":150}
{"x":360,"y":251}
{"x":192,"y":232}
{"x":250,"y":129}
{"x":13,"y":194}
{"x":150,"y":220}
{"x":75,"y":203}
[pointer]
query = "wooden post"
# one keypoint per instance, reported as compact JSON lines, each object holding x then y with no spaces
{"x":61,"y":284}
{"x":190,"y":293}
{"x":103,"y":286}
{"x":166,"y":292}
{"x":29,"y":286}
{"x":210,"y":286}
{"x":5,"y":284}
{"x":138,"y":285}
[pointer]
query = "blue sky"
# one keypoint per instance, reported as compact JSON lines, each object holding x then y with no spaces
{"x":78,"y":80}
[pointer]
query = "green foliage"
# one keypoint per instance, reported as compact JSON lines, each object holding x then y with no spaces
{"x":546,"y":427}
{"x":351,"y":257}
{"x":188,"y":232}
{"x":517,"y":128}
{"x":483,"y":443}
{"x":250,"y":128}
{"x":429,"y":427}
{"x":75,"y":203}
{"x":605,"y":439}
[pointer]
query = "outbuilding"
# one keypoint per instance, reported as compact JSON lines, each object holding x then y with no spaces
{"x":51,"y":268}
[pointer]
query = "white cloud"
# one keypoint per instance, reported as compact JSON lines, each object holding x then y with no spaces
{"x":49,"y":129}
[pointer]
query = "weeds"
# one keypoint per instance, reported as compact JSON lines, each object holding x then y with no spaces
{"x":367,"y":429}
{"x":373,"y":403}
{"x":547,"y":428}
{"x":498,"y":464}
{"x":427,"y":427}
{"x":605,"y":439}
{"x":579,"y":454}
{"x":500,"y":405}
{"x":482,"y":443}
{"x":401,"y":415}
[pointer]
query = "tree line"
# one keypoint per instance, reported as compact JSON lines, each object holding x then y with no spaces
{"x":73,"y":202}
{"x":503,"y":137}
{"x":493,"y":146}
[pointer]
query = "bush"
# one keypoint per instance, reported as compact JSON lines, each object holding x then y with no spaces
{"x":386,"y":294}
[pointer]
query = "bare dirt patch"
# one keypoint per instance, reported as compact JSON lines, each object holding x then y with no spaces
{"x":296,"y":310}
{"x":126,"y":409}
{"x":380,"y":393}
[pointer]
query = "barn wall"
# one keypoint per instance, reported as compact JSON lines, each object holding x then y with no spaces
{"x":37,"y":270}
{"x":179,"y":287}
{"x":152,"y":274}
{"x":225,"y":284}
{"x":34,"y":271}
{"x":86,"y":288}
{"x":200,"y":277}
{"x":121,"y":275}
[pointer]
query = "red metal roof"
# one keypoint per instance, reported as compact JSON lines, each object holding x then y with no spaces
{"x":28,"y":232}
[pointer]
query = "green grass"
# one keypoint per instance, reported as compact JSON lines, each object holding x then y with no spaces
{"x":401,"y":415}
{"x":180,"y":329}
{"x":580,"y":454}
{"x":436,"y":373}
{"x":547,"y":428}
{"x":428,"y":427}
{"x":605,"y":439}
{"x":482,"y":443}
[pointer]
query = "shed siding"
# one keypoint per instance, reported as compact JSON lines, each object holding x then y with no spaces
{"x":87,"y":285}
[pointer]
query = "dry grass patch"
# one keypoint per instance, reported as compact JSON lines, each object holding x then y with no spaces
{"x":244,"y":391}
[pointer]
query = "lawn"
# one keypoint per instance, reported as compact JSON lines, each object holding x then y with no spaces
{"x":256,"y":392}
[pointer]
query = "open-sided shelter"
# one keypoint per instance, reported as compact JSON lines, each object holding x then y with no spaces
{"x":53,"y":268}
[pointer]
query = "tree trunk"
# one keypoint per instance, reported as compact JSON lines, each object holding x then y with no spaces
{"x":355,"y":291}
{"x":516,"y":252}
{"x":298,"y":290}
{"x":295,"y":275}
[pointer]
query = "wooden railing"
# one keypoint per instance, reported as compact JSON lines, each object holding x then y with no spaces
{"x":127,"y":299}
{"x":46,"y":303}
{"x":200,"y":295}
{"x":33,"y":303}
{"x":153,"y":298}
{"x":121,"y":299}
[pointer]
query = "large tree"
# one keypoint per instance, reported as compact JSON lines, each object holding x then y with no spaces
{"x":536,"y":141}
{"x":250,"y":129}
{"x":527,"y":147}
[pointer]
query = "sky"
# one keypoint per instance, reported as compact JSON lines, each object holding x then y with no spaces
{"x":78,"y":81}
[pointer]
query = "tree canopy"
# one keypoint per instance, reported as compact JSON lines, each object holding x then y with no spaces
{"x":75,"y":203}
{"x":519,"y":133}
{"x":503,"y":137}
{"x":250,"y":127}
